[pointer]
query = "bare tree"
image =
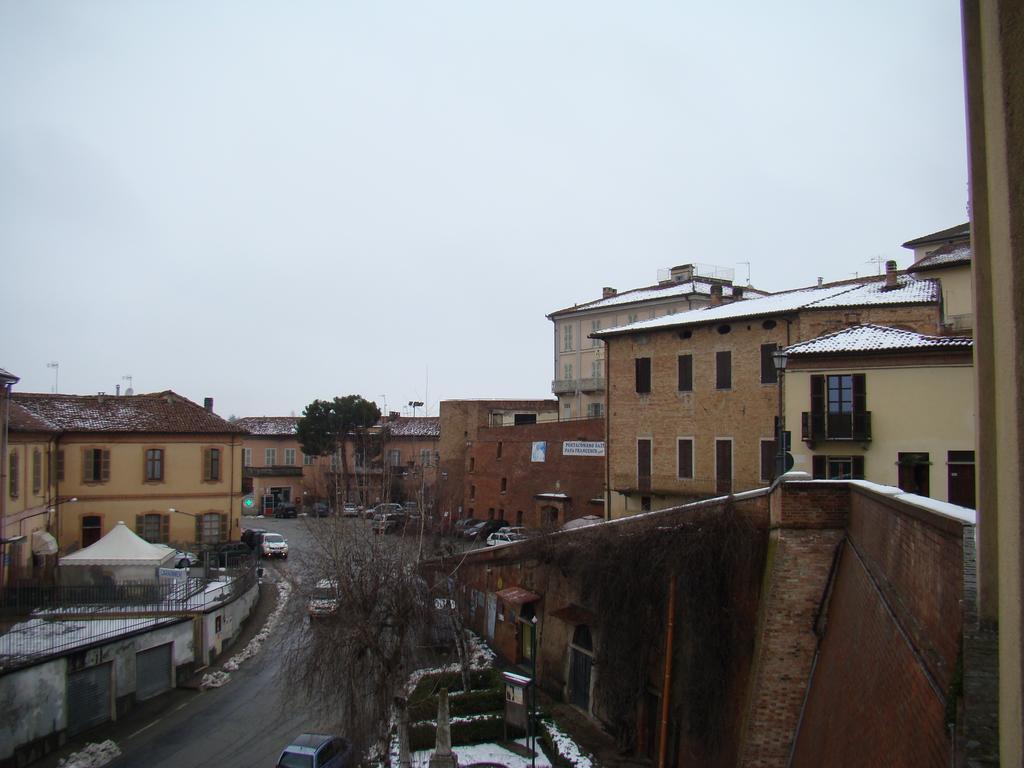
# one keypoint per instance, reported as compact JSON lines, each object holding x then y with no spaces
{"x":353,"y":658}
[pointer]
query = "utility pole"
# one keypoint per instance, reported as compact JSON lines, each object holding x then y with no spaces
{"x":56,"y":375}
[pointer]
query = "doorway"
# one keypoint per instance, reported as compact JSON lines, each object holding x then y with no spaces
{"x":723,"y":466}
{"x":581,"y":662}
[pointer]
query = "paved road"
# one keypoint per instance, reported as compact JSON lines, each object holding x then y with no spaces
{"x":245,"y":722}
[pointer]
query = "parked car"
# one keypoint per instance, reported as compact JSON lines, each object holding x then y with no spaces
{"x":316,"y":750}
{"x":285,"y":509}
{"x":485,"y":529}
{"x":320,"y":509}
{"x":185,"y":559}
{"x":386,"y":522}
{"x":504,"y":537}
{"x":324,"y":600}
{"x":274,"y":545}
{"x":251,"y":537}
{"x":350,"y":510}
{"x":464,"y":523}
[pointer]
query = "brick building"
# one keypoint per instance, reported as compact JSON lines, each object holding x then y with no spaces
{"x":579,"y":378}
{"x":693,"y":397}
{"x":460,"y":422}
{"x":537,"y":475}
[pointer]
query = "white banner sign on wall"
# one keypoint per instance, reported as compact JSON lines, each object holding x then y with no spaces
{"x":582,"y":448}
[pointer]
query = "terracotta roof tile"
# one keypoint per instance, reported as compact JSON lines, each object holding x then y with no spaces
{"x":269,"y":426}
{"x":876,"y":338}
{"x":414,"y":426}
{"x":157,"y":412}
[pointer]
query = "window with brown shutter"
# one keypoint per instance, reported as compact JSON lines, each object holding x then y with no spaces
{"x":643,"y":375}
{"x":685,"y":458}
{"x":768,"y":373}
{"x":723,"y":370}
{"x":60,"y":465}
{"x":12,"y":475}
{"x":685,"y":366}
{"x":211,"y":464}
{"x":643,"y":463}
{"x":769,"y":460}
{"x":37,"y":472}
{"x":95,"y":465}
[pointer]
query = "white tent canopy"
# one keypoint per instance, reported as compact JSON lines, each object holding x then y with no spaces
{"x":121,"y":547}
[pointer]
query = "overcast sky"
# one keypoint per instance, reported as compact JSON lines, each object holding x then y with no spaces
{"x":272,"y":202}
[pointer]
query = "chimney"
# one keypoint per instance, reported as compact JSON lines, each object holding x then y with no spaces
{"x":208,"y":404}
{"x":607,"y":292}
{"x":890,"y":275}
{"x":117,"y":390}
{"x":716,"y":295}
{"x":820,"y":281}
{"x":393,"y":416}
{"x":737,"y":292}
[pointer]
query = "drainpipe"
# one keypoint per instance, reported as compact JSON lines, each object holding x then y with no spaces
{"x":667,"y":679}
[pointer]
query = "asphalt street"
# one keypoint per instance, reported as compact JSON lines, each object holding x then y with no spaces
{"x":246,"y":722}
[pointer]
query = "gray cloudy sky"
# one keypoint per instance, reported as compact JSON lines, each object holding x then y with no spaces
{"x":272,"y":202}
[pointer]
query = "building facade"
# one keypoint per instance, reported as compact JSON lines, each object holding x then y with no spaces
{"x":693,"y":398}
{"x":887,"y":405}
{"x":946,"y":256}
{"x":274,"y":467}
{"x":537,"y":475}
{"x":579,"y":361}
{"x":165,"y":466}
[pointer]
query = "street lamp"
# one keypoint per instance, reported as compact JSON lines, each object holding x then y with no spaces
{"x":780,"y":359}
{"x":533,"y":693}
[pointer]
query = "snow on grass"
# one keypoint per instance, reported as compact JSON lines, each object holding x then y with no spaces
{"x":469,"y":754}
{"x":93,"y":756}
{"x":480,"y":657}
{"x":220,"y":677}
{"x":566,"y":747}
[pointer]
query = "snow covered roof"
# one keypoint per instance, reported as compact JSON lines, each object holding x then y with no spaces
{"x":269,"y":426}
{"x":120,"y":547}
{"x":655,"y":292}
{"x":947,"y":255}
{"x":848,"y":294}
{"x":876,"y":338}
{"x":414,"y":426}
{"x":958,"y":232}
{"x":156,"y":412}
{"x":22,"y":420}
{"x":7,"y":376}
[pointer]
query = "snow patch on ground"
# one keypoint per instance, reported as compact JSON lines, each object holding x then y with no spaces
{"x":480,"y":657}
{"x":93,"y":756}
{"x":219,"y":678}
{"x":484,"y":753}
{"x":566,"y":747}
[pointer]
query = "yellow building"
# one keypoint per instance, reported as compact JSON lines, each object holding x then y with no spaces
{"x":579,"y":381}
{"x":165,"y":466}
{"x":886,"y":405}
{"x":946,"y":256}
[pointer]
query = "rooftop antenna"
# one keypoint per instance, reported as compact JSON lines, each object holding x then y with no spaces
{"x":414,"y":404}
{"x":56,"y":374}
{"x":128,"y":389}
{"x":878,"y":261}
{"x":747,"y":265}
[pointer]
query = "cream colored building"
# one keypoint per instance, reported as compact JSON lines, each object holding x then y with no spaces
{"x":274,"y":466}
{"x":946,"y":256}
{"x":167,"y":467}
{"x":579,"y":380}
{"x":886,"y":405}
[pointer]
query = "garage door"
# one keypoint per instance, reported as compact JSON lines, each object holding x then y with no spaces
{"x":153,"y":671}
{"x":88,"y":698}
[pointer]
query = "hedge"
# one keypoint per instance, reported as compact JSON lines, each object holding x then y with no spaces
{"x":485,"y":729}
{"x":432,"y":683}
{"x":472,"y":703}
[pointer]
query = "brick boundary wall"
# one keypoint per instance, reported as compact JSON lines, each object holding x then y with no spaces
{"x":796,"y":573}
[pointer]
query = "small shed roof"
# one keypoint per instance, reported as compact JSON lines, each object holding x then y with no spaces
{"x":121,"y":546}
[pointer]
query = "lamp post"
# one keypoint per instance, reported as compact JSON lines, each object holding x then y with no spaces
{"x":779,"y":359}
{"x":533,"y":694}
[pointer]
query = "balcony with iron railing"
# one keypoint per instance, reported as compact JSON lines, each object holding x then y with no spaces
{"x":818,"y":427}
{"x":571,"y":386}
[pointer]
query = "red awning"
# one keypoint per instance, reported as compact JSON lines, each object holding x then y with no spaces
{"x":518,"y":596}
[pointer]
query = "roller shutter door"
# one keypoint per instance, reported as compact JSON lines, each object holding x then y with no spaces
{"x":153,"y":672}
{"x":88,"y":698}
